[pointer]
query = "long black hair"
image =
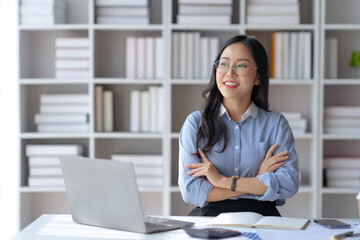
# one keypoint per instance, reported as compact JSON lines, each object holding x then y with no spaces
{"x":212,"y":127}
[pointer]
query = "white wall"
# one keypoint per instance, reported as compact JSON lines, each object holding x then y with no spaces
{"x":9,"y":120}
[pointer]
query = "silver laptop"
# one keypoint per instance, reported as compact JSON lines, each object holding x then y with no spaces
{"x":104,"y":193}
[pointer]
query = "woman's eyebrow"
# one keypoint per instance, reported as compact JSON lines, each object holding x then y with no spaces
{"x":239,"y":59}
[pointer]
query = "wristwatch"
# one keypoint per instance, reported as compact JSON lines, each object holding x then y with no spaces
{"x":233,"y":182}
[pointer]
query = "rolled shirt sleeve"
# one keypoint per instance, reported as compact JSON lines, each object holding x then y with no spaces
{"x":284,"y":182}
{"x":194,"y":190}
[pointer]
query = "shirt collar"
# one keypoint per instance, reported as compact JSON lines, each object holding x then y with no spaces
{"x":251,"y":111}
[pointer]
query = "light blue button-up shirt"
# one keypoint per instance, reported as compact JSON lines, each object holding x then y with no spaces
{"x":247,"y":144}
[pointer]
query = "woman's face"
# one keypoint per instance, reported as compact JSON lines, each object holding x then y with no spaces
{"x":237,"y":84}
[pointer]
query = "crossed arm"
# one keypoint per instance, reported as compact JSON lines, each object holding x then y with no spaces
{"x":252,"y":185}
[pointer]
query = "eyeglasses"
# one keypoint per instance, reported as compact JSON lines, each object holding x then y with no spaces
{"x":222,"y":66}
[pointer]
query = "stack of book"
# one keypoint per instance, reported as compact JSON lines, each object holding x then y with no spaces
{"x":72,"y":58}
{"x":122,"y":12}
{"x":40,"y":12}
{"x":44,"y":163}
{"x":147,"y":168}
{"x":291,"y":55}
{"x":273,"y":12}
{"x":147,"y":110}
{"x":296,"y":121}
{"x":63,"y":113}
{"x":342,"y":119}
{"x":342,"y":172}
{"x":205,"y":12}
{"x":104,"y":110}
{"x":193,"y":56}
{"x":144,"y":57}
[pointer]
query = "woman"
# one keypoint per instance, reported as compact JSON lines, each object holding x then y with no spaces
{"x":235,"y":155}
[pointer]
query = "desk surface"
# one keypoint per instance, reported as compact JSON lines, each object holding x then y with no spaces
{"x":61,"y":227}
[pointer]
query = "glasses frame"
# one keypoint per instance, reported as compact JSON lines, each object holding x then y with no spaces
{"x":233,"y":66}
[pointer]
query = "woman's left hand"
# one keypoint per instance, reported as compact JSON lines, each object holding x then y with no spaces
{"x":206,"y":169}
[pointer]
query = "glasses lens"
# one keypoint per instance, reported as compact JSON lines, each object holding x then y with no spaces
{"x":241,"y":69}
{"x":222,"y":66}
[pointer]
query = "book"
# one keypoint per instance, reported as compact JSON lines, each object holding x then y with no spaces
{"x":140,"y":57}
{"x":204,"y":19}
{"x":339,"y":173}
{"x":272,"y":1}
{"x":123,"y":10}
{"x":150,"y":57}
{"x":342,"y":122}
{"x":270,"y":8}
{"x":41,"y":19}
{"x":101,"y":19}
{"x":186,"y":9}
{"x":47,"y":9}
{"x":145,"y":111}
{"x":148,"y":171}
{"x":72,"y":53}
{"x":64,"y":98}
{"x":291,"y":115}
{"x":350,"y":130}
{"x":135,"y":111}
{"x":331,"y":57}
{"x":57,"y":127}
{"x":99,"y":108}
{"x":46,"y":182}
{"x":175,"y":54}
{"x":256,"y":220}
{"x":273,"y":19}
{"x":134,"y":3}
{"x":53,"y":149}
{"x":43,"y":161}
{"x":60,"y":118}
{"x":154,"y":108}
{"x":72,"y":63}
{"x":183,"y":55}
{"x":64,"y":108}
{"x":342,"y":111}
{"x":190,"y":61}
{"x":341,"y":162}
{"x":159,"y":58}
{"x":161,"y":109}
{"x":307,"y":55}
{"x":205,"y":56}
{"x":130,"y":54}
{"x":45,"y":171}
{"x":42,"y":2}
{"x":217,"y":2}
{"x":343,"y":183}
{"x":72,"y":43}
{"x":108,"y":112}
{"x":73,"y":73}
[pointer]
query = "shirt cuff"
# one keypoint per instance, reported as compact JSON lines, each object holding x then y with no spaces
{"x":272,"y":192}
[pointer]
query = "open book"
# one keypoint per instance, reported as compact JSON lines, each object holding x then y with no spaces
{"x":256,"y":220}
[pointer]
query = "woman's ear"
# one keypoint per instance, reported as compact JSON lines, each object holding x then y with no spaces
{"x":257,"y":80}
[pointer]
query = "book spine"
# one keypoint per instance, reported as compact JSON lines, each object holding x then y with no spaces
{"x":150,"y":57}
{"x":108,"y":111}
{"x":145,"y":111}
{"x":99,"y":108}
{"x":159,"y":58}
{"x":135,"y":111}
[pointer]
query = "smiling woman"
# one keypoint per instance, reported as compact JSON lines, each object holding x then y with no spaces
{"x":235,"y":155}
{"x":9,"y":184}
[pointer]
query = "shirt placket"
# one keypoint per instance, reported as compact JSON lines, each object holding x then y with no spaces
{"x":237,"y":147}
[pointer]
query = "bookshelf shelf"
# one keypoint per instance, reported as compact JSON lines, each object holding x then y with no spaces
{"x":51,"y":81}
{"x":182,"y":96}
{"x":127,"y":81}
{"x":36,"y":135}
{"x":300,"y":27}
{"x":128,"y":135}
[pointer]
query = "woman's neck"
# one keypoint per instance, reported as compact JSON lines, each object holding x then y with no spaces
{"x":236,"y":108}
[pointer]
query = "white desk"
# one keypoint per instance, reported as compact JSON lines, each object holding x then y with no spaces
{"x":61,"y":227}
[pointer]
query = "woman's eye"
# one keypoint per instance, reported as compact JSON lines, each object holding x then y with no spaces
{"x":223,"y":64}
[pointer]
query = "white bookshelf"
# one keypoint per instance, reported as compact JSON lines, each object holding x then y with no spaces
{"x":182,"y":96}
{"x":344,"y":90}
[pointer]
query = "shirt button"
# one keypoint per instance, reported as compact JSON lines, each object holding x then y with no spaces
{"x":236,"y":147}
{"x":236,"y":127}
{"x":236,"y":169}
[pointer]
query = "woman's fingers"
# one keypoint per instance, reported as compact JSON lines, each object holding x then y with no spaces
{"x":276,"y":166}
{"x":203,"y":156}
{"x":271,"y":151}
